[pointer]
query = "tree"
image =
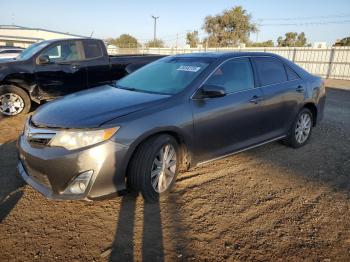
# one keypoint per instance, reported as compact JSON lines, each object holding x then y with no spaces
{"x":155,"y":43}
{"x":229,"y":28}
{"x":292,"y":39}
{"x":343,"y":42}
{"x":192,"y":39}
{"x":268,"y":43}
{"x":124,"y":41}
{"x":301,"y":40}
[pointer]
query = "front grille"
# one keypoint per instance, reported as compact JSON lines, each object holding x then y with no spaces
{"x":43,"y":141}
{"x":38,"y":136}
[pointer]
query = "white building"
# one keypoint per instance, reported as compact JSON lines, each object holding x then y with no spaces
{"x":319,"y":45}
{"x":13,"y":35}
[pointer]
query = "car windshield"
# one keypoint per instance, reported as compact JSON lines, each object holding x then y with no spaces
{"x":167,"y":76}
{"x":31,"y":50}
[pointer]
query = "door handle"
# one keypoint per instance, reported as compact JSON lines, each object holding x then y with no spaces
{"x":255,"y":99}
{"x":75,"y":66}
{"x":300,"y":89}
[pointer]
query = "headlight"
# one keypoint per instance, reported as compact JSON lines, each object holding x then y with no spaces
{"x":78,"y":139}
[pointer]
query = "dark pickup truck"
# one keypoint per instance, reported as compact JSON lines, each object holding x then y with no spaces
{"x":54,"y":68}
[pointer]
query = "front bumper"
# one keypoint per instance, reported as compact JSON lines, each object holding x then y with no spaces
{"x":50,"y":170}
{"x":43,"y":189}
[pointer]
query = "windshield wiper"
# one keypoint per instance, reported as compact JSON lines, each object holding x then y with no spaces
{"x":124,"y":87}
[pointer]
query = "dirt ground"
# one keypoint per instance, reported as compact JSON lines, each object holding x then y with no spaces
{"x":269,"y":203}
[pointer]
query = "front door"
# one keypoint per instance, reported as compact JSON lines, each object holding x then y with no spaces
{"x":64,"y":74}
{"x":232,"y":122}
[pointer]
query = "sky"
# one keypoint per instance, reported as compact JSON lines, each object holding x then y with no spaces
{"x":322,"y":21}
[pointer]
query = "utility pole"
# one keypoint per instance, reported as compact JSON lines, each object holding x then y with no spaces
{"x":177,"y":38}
{"x":155,"y":27}
{"x":258,"y":29}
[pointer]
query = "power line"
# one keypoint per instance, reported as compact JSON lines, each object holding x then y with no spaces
{"x":306,"y":17}
{"x":309,"y":23}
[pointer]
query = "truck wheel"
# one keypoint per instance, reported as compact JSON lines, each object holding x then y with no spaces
{"x":13,"y":101}
{"x":154,"y":167}
{"x":300,"y":132}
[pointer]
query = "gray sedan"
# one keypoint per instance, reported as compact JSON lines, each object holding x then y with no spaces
{"x":175,"y":113}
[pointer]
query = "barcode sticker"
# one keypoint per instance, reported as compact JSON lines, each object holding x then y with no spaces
{"x":189,"y":68}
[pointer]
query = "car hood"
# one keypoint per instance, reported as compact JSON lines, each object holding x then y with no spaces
{"x":94,"y":107}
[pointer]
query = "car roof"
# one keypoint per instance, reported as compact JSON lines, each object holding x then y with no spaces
{"x":11,"y":49}
{"x":72,"y":39}
{"x":222,"y":56}
{"x":226,"y":55}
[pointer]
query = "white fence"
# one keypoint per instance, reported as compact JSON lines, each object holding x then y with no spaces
{"x":325,"y":62}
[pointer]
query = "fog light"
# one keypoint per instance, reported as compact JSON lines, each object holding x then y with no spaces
{"x":79,"y":184}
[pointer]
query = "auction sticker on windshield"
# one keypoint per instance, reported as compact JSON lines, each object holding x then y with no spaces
{"x":189,"y":68}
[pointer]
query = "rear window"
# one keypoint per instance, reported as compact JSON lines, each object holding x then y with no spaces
{"x":270,"y":70}
{"x":92,"y":49}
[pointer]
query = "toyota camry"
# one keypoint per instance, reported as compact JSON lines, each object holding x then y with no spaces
{"x":175,"y":113}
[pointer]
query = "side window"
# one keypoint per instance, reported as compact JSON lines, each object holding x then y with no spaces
{"x":64,"y":52}
{"x":92,"y":49}
{"x":291,"y":74}
{"x":235,"y":75}
{"x":270,"y":70}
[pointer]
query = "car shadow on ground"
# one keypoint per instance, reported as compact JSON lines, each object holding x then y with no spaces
{"x":10,"y":181}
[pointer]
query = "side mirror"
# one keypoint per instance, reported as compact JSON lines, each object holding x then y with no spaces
{"x":43,"y":59}
{"x":211,"y":91}
{"x":133,"y":67}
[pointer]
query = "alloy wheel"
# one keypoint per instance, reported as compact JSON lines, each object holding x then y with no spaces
{"x":11,"y":104}
{"x":303,"y":128}
{"x":163,"y":168}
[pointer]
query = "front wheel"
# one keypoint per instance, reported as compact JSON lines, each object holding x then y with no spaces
{"x":300,"y":132}
{"x":154,"y":167}
{"x":13,"y":101}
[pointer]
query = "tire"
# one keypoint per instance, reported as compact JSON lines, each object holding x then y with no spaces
{"x":19,"y":96}
{"x":292,"y":139}
{"x":143,"y":167}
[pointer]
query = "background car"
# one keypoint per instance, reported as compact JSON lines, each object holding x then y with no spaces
{"x":9,"y":52}
{"x":50,"y":69}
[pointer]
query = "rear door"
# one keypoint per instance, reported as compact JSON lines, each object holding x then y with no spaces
{"x":97,"y":63}
{"x":64,"y":74}
{"x":229,"y":123}
{"x":282,"y":94}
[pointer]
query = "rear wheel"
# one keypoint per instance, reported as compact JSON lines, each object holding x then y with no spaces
{"x":153,"y":168}
{"x":300,"y":132}
{"x":13,"y":101}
